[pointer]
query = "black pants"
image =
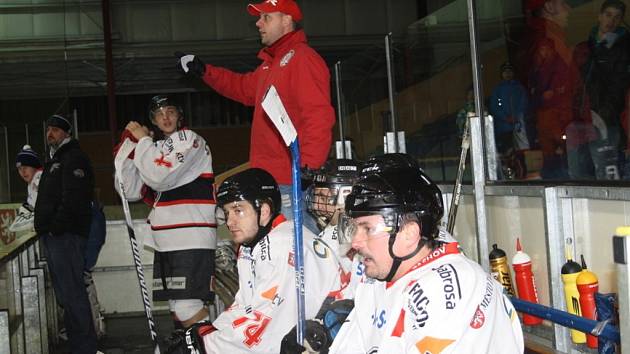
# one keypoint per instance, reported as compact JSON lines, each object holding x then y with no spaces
{"x":183,"y":274}
{"x":65,"y":256}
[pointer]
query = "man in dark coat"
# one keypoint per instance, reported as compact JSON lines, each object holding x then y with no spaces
{"x":603,"y":61}
{"x":62,"y":219}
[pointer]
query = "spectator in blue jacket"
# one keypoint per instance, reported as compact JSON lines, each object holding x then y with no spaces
{"x":508,"y":106}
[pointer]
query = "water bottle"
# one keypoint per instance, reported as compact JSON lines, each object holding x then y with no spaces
{"x":525,"y":284}
{"x":500,"y":270}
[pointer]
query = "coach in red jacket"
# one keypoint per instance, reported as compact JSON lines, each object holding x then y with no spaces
{"x":303,"y":82}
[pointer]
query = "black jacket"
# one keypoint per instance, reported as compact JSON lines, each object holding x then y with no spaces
{"x":65,"y":193}
{"x":606,"y":74}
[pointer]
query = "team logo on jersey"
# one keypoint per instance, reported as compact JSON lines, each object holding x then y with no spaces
{"x":168,"y":144}
{"x":479,"y":318}
{"x":264,"y":249}
{"x":432,"y":345}
{"x":271,"y":294}
{"x":162,"y":161}
{"x":379,"y":318}
{"x":291,"y":259}
{"x":450,"y":285}
{"x":320,"y":248}
{"x":286,"y":58}
{"x":417,"y":303}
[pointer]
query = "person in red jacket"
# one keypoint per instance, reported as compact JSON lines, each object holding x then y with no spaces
{"x":546,"y":67}
{"x":302,"y":80}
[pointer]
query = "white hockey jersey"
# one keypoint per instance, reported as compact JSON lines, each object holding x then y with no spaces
{"x":179,"y":171}
{"x":445,"y":304}
{"x":351,"y":271}
{"x":265,"y":306}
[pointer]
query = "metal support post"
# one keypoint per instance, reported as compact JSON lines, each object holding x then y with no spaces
{"x":342,"y":151}
{"x":491,"y":148}
{"x":555,"y":227}
{"x":41,"y":295}
{"x":6,"y":152}
{"x":5,"y":336}
{"x":391,"y":87}
{"x":31,"y":315}
{"x":15,"y":303}
{"x":621,"y":252}
{"x":479,"y":184}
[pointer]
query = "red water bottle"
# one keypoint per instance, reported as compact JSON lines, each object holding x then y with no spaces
{"x":587,"y":285}
{"x":525,"y":284}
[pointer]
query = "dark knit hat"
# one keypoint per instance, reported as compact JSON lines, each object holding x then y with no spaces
{"x":60,"y":122}
{"x":27,"y":157}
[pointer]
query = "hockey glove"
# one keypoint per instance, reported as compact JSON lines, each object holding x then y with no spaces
{"x":316,"y":340}
{"x":336,"y":315}
{"x":190,"y":64}
{"x":189,"y":341}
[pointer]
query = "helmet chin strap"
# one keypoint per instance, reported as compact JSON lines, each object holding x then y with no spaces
{"x":398,"y":260}
{"x":262,"y":230}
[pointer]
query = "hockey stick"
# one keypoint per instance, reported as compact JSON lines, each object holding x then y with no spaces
{"x":457,"y":188}
{"x":298,"y":249}
{"x":136,"y":255}
{"x":277,"y":113}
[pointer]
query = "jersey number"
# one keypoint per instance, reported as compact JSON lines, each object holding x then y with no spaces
{"x":254,"y":329}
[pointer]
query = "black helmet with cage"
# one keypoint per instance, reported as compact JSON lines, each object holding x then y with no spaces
{"x":330,"y":185}
{"x":255,"y":186}
{"x":395,"y":187}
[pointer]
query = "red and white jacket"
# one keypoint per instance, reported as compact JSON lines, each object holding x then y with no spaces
{"x":175,"y":175}
{"x":303,"y":82}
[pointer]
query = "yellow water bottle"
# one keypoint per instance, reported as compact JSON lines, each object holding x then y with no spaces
{"x":570,"y":272}
{"x":500,"y":270}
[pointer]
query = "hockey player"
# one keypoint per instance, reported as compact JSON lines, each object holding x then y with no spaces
{"x":325,"y":200}
{"x":174,"y":175}
{"x":422,"y":294}
{"x":265,"y":306}
{"x":29,"y":167}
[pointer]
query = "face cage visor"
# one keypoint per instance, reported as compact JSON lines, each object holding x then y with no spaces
{"x":323,"y":200}
{"x":348,"y":227}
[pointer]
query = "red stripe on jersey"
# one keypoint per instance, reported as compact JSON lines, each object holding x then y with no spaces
{"x":185,"y":201}
{"x":400,"y":325}
{"x":206,"y":175}
{"x":179,"y":226}
{"x":278,"y":220}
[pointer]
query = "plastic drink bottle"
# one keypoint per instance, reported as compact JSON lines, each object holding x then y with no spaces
{"x":525,"y":284}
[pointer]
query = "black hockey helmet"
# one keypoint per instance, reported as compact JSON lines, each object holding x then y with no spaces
{"x":254,"y":185}
{"x":331,"y":183}
{"x":161,"y":101}
{"x":393,"y":185}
